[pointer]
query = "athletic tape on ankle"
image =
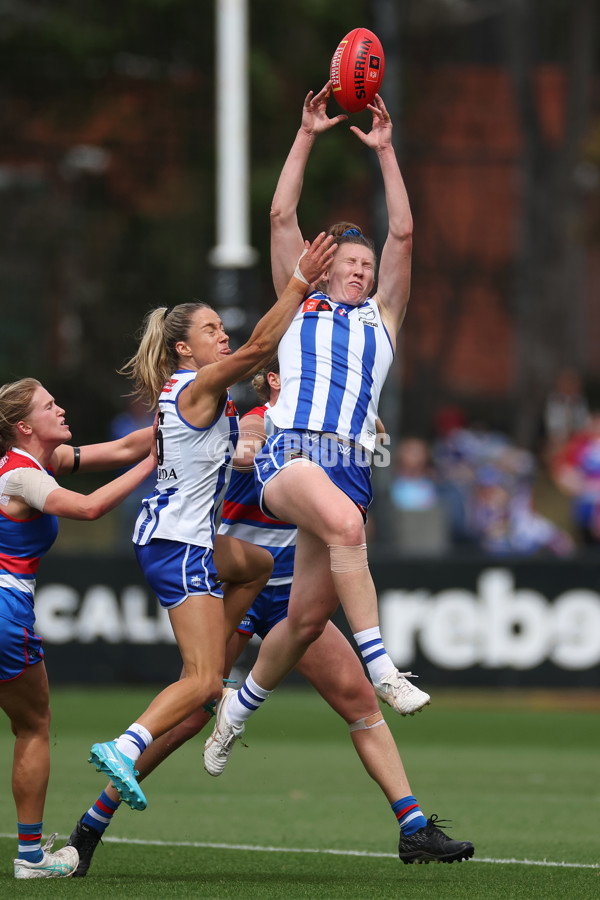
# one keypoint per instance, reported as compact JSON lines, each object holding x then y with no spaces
{"x":370,"y":722}
{"x":348,"y":559}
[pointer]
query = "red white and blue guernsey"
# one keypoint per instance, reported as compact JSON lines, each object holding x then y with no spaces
{"x":334,"y":359}
{"x":243,"y":518}
{"x":22,"y":544}
{"x":193,"y":468}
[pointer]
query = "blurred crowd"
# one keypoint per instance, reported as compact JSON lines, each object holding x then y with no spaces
{"x":471,"y":487}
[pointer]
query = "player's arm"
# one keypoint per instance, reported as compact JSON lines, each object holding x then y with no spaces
{"x":116,"y":454}
{"x":214,"y":379}
{"x":286,"y":237}
{"x":72,"y":505}
{"x":35,"y":489}
{"x":251,"y":439}
{"x":393,"y":282}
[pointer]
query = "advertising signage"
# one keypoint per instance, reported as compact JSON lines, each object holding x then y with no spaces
{"x":454,"y":622}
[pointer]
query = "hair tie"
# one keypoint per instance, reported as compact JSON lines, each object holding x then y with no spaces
{"x":166,"y":313}
{"x":351,"y":232}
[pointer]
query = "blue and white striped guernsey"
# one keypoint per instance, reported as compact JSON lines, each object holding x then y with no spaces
{"x":243,"y":518}
{"x":333,"y":359}
{"x":193,"y":470}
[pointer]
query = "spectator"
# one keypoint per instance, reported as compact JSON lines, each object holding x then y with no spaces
{"x":565,"y":411}
{"x":486,"y":484}
{"x":421,"y":522}
{"x":504,"y":520}
{"x":413,"y":485}
{"x":576,"y":470}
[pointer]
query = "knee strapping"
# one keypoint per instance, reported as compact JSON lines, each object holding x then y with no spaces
{"x":369,"y":722}
{"x":348,"y":559}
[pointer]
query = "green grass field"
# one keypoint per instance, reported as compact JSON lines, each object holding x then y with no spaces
{"x":295,"y":816}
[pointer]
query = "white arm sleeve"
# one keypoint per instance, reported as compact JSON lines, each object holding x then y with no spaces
{"x":33,"y":485}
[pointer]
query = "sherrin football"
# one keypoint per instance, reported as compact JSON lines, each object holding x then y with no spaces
{"x":357,"y":68}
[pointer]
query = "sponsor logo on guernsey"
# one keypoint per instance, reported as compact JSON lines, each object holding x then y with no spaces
{"x":367,"y":317}
{"x":316,"y":305}
{"x":169,"y":386}
{"x":166,"y":473}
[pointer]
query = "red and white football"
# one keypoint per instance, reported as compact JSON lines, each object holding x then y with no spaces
{"x":357,"y":68}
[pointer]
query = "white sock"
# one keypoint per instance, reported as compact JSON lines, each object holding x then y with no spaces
{"x":134,"y":741}
{"x":246,"y":701}
{"x":373,"y":653}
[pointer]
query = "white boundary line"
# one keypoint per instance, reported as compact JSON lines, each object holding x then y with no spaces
{"x":203,"y":845}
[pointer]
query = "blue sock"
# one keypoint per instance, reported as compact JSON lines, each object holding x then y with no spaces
{"x":410,"y":818}
{"x":30,"y":841}
{"x":99,"y":816}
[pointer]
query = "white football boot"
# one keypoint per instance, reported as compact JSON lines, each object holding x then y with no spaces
{"x":60,"y":864}
{"x":219,"y":745}
{"x":395,"y":690}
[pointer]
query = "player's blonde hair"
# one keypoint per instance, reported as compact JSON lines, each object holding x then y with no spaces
{"x":156,"y":358}
{"x":15,"y":404}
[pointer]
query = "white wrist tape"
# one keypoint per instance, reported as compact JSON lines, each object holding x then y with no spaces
{"x":297,"y":273}
{"x":33,"y":485}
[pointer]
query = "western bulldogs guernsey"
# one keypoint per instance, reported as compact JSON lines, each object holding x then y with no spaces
{"x":22,"y":543}
{"x":243,"y":518}
{"x":193,"y":468}
{"x":334,"y":359}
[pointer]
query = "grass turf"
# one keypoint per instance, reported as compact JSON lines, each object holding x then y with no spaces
{"x":517,"y":775}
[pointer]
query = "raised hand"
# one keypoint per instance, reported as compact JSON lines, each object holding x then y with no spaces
{"x":314,"y":112}
{"x":316,"y":258}
{"x":380,"y":135}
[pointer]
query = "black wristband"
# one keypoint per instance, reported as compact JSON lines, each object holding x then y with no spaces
{"x":76,"y":455}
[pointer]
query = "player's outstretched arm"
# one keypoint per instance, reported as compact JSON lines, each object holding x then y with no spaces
{"x":214,"y":379}
{"x":393,"y":283}
{"x":286,"y":238}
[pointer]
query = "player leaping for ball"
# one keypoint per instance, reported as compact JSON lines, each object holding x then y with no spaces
{"x":315,"y":469}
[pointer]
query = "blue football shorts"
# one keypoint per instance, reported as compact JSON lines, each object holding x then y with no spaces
{"x":176,"y":571}
{"x":347,"y":464}
{"x":269,"y":608}
{"x":20,"y":647}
